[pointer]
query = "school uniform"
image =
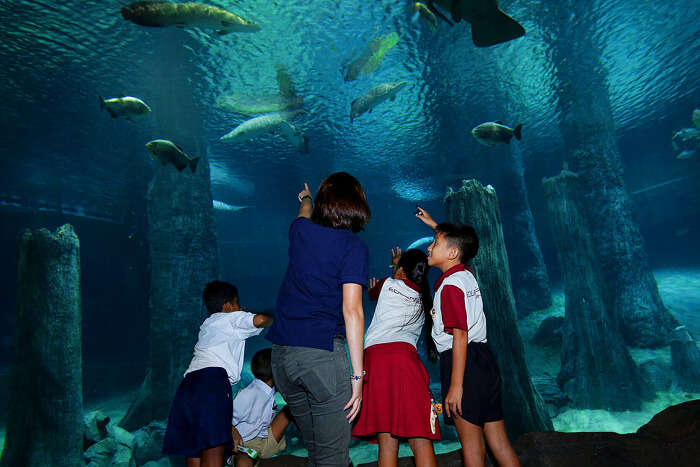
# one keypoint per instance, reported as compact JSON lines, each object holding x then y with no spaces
{"x":253,"y":411}
{"x":200,"y":415}
{"x":458,"y":305}
{"x":396,"y":397}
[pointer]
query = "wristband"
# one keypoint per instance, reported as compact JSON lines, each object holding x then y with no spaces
{"x":301,"y":200}
{"x":357,"y":378}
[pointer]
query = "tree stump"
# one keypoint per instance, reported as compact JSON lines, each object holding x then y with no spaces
{"x":596,"y":368}
{"x":45,"y":414}
{"x":477,"y":206}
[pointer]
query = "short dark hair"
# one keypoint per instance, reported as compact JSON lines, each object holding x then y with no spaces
{"x":261,"y":365}
{"x":461,"y":236}
{"x":217,"y":293}
{"x":341,"y":203}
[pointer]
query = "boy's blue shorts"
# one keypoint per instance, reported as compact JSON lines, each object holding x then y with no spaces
{"x":481,"y":395}
{"x":200,"y":416}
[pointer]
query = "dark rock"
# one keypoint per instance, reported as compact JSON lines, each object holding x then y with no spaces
{"x":123,"y":457}
{"x":685,"y":360}
{"x":674,"y":423}
{"x":45,"y":412}
{"x":148,"y":442}
{"x":477,"y":206}
{"x":656,"y":374}
{"x":120,"y":435}
{"x":548,"y":334}
{"x":597,"y":370}
{"x":102,"y":452}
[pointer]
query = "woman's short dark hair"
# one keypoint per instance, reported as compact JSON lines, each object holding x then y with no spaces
{"x":341,"y":203}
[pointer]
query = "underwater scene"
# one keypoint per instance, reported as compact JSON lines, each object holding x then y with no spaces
{"x":152,"y":147}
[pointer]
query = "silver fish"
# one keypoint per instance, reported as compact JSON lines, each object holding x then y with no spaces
{"x":374,"y":97}
{"x":490,"y":26}
{"x":269,"y":123}
{"x":125,"y":106}
{"x":168,"y":152}
{"x":492,"y":133}
{"x":199,"y":15}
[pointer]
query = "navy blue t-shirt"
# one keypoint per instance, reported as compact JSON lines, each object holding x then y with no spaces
{"x":310,"y":301}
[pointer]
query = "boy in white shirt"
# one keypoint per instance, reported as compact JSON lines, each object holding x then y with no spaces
{"x":199,"y":421}
{"x":253,"y":425}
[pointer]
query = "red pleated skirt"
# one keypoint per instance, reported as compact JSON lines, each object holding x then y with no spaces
{"x":395,"y":395}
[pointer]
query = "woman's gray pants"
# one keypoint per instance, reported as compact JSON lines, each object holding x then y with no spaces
{"x":316,"y":385}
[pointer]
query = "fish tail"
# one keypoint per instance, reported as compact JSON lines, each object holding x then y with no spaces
{"x":193,"y":164}
{"x":517,"y":132}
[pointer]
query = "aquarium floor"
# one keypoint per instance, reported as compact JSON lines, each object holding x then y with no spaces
{"x":679,"y":291}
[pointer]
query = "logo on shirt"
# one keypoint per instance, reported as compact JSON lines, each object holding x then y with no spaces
{"x":412,"y":299}
{"x":473,"y":293}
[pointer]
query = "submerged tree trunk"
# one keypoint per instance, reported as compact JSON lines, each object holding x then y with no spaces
{"x":182,"y":239}
{"x":45,"y":413}
{"x":597,"y":371}
{"x":477,"y":206}
{"x":530,"y":279}
{"x":588,"y":129}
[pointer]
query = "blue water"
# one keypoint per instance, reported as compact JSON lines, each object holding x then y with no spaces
{"x":65,"y":160}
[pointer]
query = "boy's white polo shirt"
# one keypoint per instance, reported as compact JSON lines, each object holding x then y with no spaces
{"x":253,"y":409}
{"x":221,"y":342}
{"x":457,"y":303}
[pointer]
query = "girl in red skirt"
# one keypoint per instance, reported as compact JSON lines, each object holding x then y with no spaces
{"x":396,"y":399}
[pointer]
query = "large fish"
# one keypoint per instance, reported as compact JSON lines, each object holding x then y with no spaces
{"x":125,"y":106}
{"x":492,"y":133}
{"x":372,"y":56}
{"x":272,"y":122}
{"x":168,"y":152}
{"x":374,"y":97}
{"x":422,"y":11}
{"x":490,"y":26}
{"x":286,"y":99}
{"x":162,"y":14}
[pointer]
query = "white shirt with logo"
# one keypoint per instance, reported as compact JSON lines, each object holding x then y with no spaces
{"x":398,"y":316}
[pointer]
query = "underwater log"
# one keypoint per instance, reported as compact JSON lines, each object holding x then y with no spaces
{"x":597,"y":370}
{"x":45,"y":413}
{"x":528,"y":271}
{"x":183,"y":250}
{"x":588,"y":129}
{"x":477,"y":206}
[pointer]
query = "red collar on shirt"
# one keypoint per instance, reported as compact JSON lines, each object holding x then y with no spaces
{"x":412,"y":285}
{"x":449,"y":272}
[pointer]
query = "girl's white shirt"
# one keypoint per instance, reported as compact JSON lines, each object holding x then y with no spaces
{"x":397,"y":306}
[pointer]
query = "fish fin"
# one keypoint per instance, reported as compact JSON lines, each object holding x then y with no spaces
{"x":284,"y":82}
{"x":499,"y":122}
{"x":193,"y":164}
{"x":518,"y":132}
{"x":179,"y":147}
{"x":122,"y":96}
{"x":222,"y":32}
{"x":495,"y":30}
{"x":439,"y":14}
{"x":102,"y":101}
{"x":111,"y":112}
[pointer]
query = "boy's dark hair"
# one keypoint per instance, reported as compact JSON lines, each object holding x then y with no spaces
{"x":461,"y":236}
{"x":217,"y":293}
{"x":414,"y":263}
{"x":261,"y":365}
{"x":341,"y":203}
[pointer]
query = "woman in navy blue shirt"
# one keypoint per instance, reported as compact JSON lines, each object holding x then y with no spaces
{"x":319,"y":308}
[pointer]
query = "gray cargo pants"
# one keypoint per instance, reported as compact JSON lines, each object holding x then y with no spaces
{"x":316,"y":385}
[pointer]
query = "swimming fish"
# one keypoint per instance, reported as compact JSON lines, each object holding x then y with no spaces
{"x":492,"y":133}
{"x":372,"y":56}
{"x":696,"y":118}
{"x":490,"y":26}
{"x":374,"y":97}
{"x":168,"y":152}
{"x":425,"y":14}
{"x":687,"y":154}
{"x":286,"y":99}
{"x":269,"y":123}
{"x":199,"y":15}
{"x":125,"y":106}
